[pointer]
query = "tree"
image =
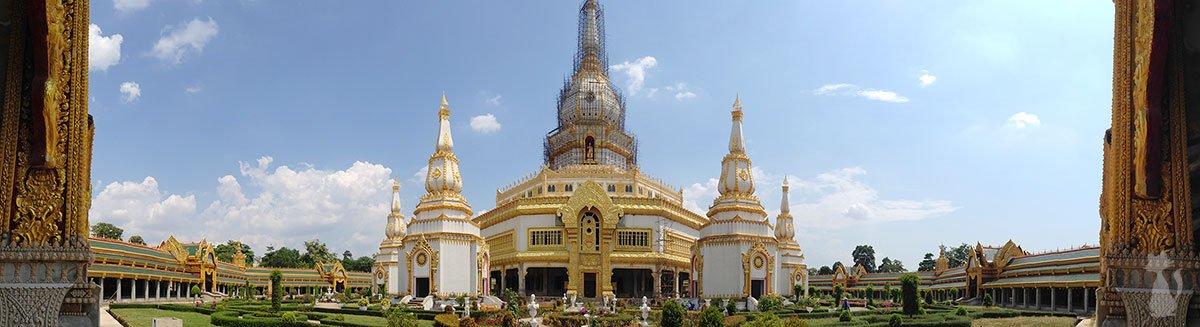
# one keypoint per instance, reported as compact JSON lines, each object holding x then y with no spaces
{"x":276,"y":290}
{"x":347,"y":255}
{"x":891,"y":266}
{"x":870,"y":292}
{"x":797,"y":289}
{"x":363,"y":264}
{"x":909,"y":293}
{"x":282,"y":258}
{"x":836,"y":265}
{"x":864,"y":255}
{"x":672,"y":314}
{"x":195,"y":290}
{"x":137,"y":239}
{"x":825,"y":270}
{"x":106,"y":230}
{"x":958,"y":255}
{"x":987,"y":299}
{"x":929,"y":264}
{"x":316,"y":252}
{"x":225,"y":251}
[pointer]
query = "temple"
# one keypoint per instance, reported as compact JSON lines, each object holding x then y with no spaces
{"x":126,"y":272}
{"x":590,"y":223}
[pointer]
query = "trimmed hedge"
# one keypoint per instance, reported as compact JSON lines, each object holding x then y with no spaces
{"x":230,"y":319}
{"x":164,"y":306}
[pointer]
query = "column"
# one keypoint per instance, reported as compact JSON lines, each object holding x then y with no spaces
{"x":656,"y":275}
{"x":503,"y":279}
{"x":521,"y":279}
{"x":146,"y":289}
{"x":677,"y":287}
{"x":1053,"y":297}
{"x":102,"y":289}
{"x":118,"y":297}
{"x":187,"y":290}
{"x":1037,"y":297}
{"x":1087,"y":300}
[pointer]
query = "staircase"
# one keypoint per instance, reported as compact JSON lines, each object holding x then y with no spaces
{"x":415,"y":302}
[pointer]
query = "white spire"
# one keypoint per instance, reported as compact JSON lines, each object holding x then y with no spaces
{"x":783,"y":205}
{"x":396,"y":196}
{"x":736,"y":143}
{"x":444,"y":141}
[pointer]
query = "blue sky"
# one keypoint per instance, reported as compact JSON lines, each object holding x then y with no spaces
{"x":902,"y":125}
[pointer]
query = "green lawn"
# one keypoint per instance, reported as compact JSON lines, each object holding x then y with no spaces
{"x":1025,"y":321}
{"x":143,"y":317}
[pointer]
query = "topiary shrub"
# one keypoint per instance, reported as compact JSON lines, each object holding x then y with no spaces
{"x":466,"y":322}
{"x":445,"y":320}
{"x":896,"y":320}
{"x":960,"y":312}
{"x":987,"y":299}
{"x":794,"y":322}
{"x":672,"y":314}
{"x":909,"y":291}
{"x":764,"y":320}
{"x":276,"y":289}
{"x":838,"y":293}
{"x":844,"y":316}
{"x":712,"y":317}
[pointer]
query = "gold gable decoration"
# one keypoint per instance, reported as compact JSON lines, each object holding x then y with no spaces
{"x":171,"y":245}
{"x":589,"y":194}
{"x":422,"y":247}
{"x":750,"y":261}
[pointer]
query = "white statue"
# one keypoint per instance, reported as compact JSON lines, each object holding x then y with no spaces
{"x":645,"y":311}
{"x":466,"y":307}
{"x":532,"y":306}
{"x":564,"y":303}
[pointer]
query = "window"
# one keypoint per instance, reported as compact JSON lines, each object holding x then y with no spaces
{"x":569,"y":187}
{"x":612,"y":188}
{"x":539,"y":190}
{"x":633,"y":238}
{"x":628,"y":188}
{"x":550,"y":188}
{"x":545,"y":237}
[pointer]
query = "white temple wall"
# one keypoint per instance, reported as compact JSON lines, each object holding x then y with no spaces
{"x":456,"y":271}
{"x":722,"y":270}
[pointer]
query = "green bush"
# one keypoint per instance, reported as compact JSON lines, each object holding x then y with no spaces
{"x":731,"y":308}
{"x":289,"y":317}
{"x":764,"y":320}
{"x":794,"y":322}
{"x":712,"y":317}
{"x":909,"y":289}
{"x":445,"y":320}
{"x":398,"y":317}
{"x":231,"y":319}
{"x":844,"y":316}
{"x":770,"y":302}
{"x":466,"y":322}
{"x":895,"y":320}
{"x":960,"y":312}
{"x":672,"y":314}
{"x":987,"y":299}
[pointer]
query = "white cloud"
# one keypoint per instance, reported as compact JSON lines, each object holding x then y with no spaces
{"x":926,"y":79}
{"x":131,"y":91}
{"x":829,"y":89}
{"x":494,"y":101}
{"x":827,"y":200}
{"x":103,"y":51}
{"x":192,"y":90}
{"x":636,"y":72}
{"x":851,"y":89}
{"x":681,"y":91}
{"x":130,"y":6}
{"x":285,"y":206}
{"x":485,"y":123}
{"x":141,"y":208}
{"x":184,"y":39}
{"x":419,"y":176}
{"x":881,"y":95}
{"x":1024,"y":119}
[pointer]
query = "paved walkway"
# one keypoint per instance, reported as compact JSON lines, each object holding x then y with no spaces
{"x":106,"y":319}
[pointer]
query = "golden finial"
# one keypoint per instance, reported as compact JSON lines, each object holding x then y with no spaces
{"x":396,"y":184}
{"x":444,"y":102}
{"x":444,"y":109}
{"x":737,"y":102}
